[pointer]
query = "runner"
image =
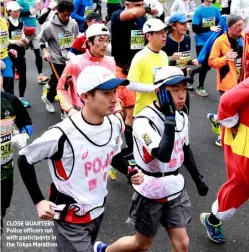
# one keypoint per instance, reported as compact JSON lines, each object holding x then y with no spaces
{"x":226,"y":57}
{"x":79,"y":150}
{"x":225,"y":7}
{"x":59,"y":35}
{"x":81,"y":9}
{"x":13,"y":115}
{"x":97,"y":36}
{"x":127,"y":40}
{"x":18,"y":42}
{"x":178,"y":46}
{"x":161,"y":147}
{"x":31,"y":30}
{"x":233,"y":116}
{"x":186,"y":7}
{"x":205,"y":21}
{"x":79,"y":44}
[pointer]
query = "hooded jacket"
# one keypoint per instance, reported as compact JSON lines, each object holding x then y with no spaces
{"x":59,"y":38}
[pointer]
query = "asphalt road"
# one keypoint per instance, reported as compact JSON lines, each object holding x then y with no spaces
{"x":209,"y":159}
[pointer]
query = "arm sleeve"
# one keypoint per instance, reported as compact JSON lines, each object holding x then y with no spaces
{"x":28,"y":175}
{"x":159,"y":147}
{"x":189,"y":161}
{"x":43,"y":17}
{"x":231,"y":102}
{"x":236,"y":9}
{"x":199,"y":29}
{"x":215,"y":59}
{"x":66,"y":81}
{"x":75,"y":14}
{"x":25,"y":14}
{"x":120,"y":163}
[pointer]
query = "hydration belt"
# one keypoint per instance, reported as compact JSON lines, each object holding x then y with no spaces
{"x":159,"y":174}
{"x":67,"y":208}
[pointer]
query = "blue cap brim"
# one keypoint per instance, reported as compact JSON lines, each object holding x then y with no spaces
{"x":176,"y":80}
{"x":113,"y":83}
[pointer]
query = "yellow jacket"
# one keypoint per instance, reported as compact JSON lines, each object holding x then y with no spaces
{"x":227,"y":73}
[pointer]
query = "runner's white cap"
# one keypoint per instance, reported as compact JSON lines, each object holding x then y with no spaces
{"x":153,"y":25}
{"x":169,"y":76}
{"x":98,"y":77}
{"x":13,"y":6}
{"x":97,"y":29}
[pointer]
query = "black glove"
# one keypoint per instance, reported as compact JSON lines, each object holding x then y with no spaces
{"x":201,"y":185}
{"x":166,"y":103}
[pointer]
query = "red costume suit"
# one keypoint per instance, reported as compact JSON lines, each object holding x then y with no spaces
{"x":233,"y":115}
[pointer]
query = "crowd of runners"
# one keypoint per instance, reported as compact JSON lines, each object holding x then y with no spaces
{"x":141,"y":94}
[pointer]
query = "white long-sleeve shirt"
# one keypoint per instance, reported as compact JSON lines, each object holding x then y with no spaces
{"x":183,"y":6}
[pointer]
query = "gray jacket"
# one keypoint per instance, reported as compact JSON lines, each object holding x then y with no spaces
{"x":58,"y":38}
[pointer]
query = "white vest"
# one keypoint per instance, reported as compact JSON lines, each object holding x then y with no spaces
{"x":167,"y":186}
{"x":82,"y":174}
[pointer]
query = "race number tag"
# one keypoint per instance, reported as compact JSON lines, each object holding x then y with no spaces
{"x":6,"y":149}
{"x":155,"y":70}
{"x":238,"y":67}
{"x":208,"y":22}
{"x":137,"y":40}
{"x":4,"y":39}
{"x":66,"y":40}
{"x":182,"y":61}
{"x":16,"y":35}
{"x":88,"y":10}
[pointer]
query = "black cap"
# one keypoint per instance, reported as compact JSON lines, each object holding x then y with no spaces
{"x":92,"y":16}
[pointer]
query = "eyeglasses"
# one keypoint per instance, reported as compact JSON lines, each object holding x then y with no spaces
{"x":102,"y":41}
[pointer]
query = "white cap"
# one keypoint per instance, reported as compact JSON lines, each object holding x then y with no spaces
{"x":97,"y":29}
{"x":169,"y":76}
{"x":13,"y":6}
{"x":98,"y":77}
{"x":153,"y":25}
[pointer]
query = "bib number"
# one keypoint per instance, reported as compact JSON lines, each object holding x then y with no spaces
{"x":137,"y":40}
{"x":208,"y":22}
{"x":4,"y":39}
{"x":16,"y":35}
{"x":65,"y":40}
{"x":6,"y":149}
{"x":238,"y":67}
{"x":182,"y":61}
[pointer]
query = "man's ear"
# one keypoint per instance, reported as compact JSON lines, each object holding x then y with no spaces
{"x":84,"y":97}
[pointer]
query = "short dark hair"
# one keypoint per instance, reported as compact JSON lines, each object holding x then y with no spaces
{"x":92,"y":92}
{"x":65,"y":5}
{"x":91,"y":39}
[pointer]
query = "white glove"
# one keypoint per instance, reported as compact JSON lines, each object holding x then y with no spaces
{"x":20,"y":140}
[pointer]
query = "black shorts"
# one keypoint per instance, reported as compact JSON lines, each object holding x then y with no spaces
{"x":173,"y":214}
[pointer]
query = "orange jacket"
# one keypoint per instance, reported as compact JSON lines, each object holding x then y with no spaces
{"x":217,"y":59}
{"x":245,"y":62}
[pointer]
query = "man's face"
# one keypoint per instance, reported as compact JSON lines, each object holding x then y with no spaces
{"x":237,"y":28}
{"x":181,"y":28}
{"x":64,"y":16}
{"x":99,"y":45}
{"x":15,"y":14}
{"x":102,"y":103}
{"x":130,"y":5}
{"x":158,"y":39}
{"x":178,"y":93}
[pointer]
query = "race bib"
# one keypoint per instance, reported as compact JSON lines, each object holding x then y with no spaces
{"x":6,"y":149}
{"x":155,"y":70}
{"x":4,"y":39}
{"x":65,"y":40}
{"x":88,"y":10}
{"x":16,"y":35}
{"x":208,"y":22}
{"x":137,"y":40}
{"x":182,"y":61}
{"x":238,"y":67}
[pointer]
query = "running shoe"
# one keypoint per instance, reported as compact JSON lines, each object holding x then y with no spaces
{"x":49,"y":105}
{"x":99,"y":246}
{"x":112,"y":174}
{"x":42,"y":79}
{"x":190,"y":87}
{"x":25,"y":103}
{"x":56,"y":98}
{"x":215,"y":123}
{"x":201,"y":92}
{"x":214,"y":232}
{"x":218,"y":141}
